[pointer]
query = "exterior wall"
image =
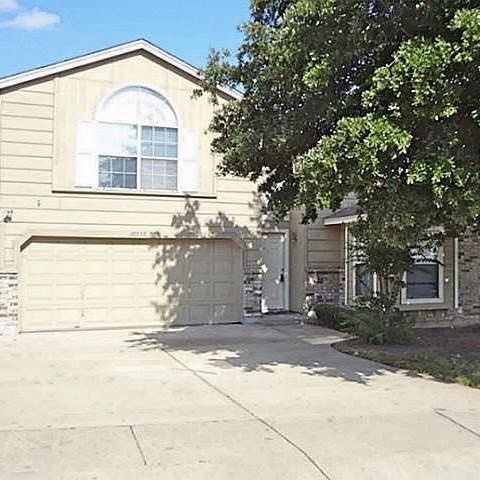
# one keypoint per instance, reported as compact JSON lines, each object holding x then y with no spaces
{"x":325,"y":264}
{"x":444,"y":313}
{"x":79,"y":94}
{"x":252,"y":294}
{"x":8,"y":303}
{"x":327,"y":285}
{"x":432,"y":314}
{"x":252,"y":278}
{"x":468,"y":280}
{"x":38,"y":125}
{"x":297,"y":237}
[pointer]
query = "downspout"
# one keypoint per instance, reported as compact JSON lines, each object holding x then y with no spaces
{"x":346,"y":266}
{"x":456,"y":303}
{"x":2,"y":226}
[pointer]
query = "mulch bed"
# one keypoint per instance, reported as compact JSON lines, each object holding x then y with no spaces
{"x":455,"y":341}
{"x":451,"y":354}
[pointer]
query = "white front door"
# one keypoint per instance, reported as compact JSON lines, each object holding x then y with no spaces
{"x":274,"y":279}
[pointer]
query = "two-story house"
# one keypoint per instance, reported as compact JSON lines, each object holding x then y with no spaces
{"x":112,"y":213}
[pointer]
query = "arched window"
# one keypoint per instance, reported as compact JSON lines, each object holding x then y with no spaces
{"x":137,"y":141}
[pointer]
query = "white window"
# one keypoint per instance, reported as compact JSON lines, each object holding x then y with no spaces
{"x":134,"y":144}
{"x":364,"y":283}
{"x":424,"y":281}
{"x":132,"y":153}
{"x":137,"y":156}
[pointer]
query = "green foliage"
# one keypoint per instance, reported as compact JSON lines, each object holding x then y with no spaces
{"x":441,"y":365}
{"x":377,"y":321}
{"x":373,"y":321}
{"x":380,"y":98}
{"x":332,"y":316}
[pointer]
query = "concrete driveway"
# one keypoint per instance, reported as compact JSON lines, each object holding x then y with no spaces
{"x":268,"y":401}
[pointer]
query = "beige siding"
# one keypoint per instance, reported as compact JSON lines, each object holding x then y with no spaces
{"x":18,"y":149}
{"x":323,"y":245}
{"x":32,"y":97}
{"x":297,"y":237}
{"x":36,"y":166}
{"x":24,"y":110}
{"x":27,"y":124}
{"x":78,"y":95}
{"x":27,"y":137}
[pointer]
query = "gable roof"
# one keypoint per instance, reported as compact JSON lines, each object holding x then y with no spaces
{"x":107,"y":54}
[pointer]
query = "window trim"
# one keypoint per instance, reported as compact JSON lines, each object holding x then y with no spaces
{"x":124,"y":86}
{"x":354,"y":263}
{"x":354,"y":281}
{"x":441,"y":281}
{"x":138,"y":157}
{"x":99,"y":119}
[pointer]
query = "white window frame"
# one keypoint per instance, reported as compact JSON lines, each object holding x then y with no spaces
{"x":440,"y":298}
{"x":354,"y":281}
{"x":354,"y":263}
{"x":138,"y":156}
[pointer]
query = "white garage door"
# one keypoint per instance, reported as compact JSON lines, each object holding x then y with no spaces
{"x":75,"y":284}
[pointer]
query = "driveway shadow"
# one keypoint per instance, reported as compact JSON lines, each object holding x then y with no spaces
{"x":253,"y":348}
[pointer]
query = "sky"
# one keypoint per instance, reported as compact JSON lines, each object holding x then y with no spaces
{"x":34,"y":33}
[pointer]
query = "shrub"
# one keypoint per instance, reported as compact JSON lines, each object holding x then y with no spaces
{"x":374,"y":321}
{"x":332,"y":316}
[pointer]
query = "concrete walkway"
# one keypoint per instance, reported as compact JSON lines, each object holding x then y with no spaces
{"x":262,"y":401}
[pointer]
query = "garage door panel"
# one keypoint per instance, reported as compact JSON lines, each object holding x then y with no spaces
{"x":40,"y":268}
{"x":200,"y":313}
{"x":223,"y":266}
{"x":45,"y":319}
{"x":199,"y":266}
{"x":200,"y":290}
{"x":97,"y":267}
{"x":87,"y":284}
{"x":223,"y":290}
{"x":224,"y":311}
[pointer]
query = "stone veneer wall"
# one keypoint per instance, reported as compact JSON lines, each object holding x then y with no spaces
{"x":469,"y":280}
{"x":252,"y":294}
{"x":430,"y":318}
{"x":8,"y":303}
{"x":468,"y":290}
{"x":325,"y":286}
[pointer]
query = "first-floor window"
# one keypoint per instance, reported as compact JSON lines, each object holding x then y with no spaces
{"x":364,"y":281}
{"x":423,"y":281}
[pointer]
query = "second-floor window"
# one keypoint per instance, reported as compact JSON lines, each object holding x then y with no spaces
{"x":141,"y":157}
{"x":137,"y":142}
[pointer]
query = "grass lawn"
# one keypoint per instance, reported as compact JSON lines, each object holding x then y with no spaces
{"x":449,"y":354}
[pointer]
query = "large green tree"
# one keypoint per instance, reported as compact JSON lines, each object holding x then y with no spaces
{"x":376,"y":97}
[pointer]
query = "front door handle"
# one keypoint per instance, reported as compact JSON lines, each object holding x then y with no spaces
{"x":282,"y":278}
